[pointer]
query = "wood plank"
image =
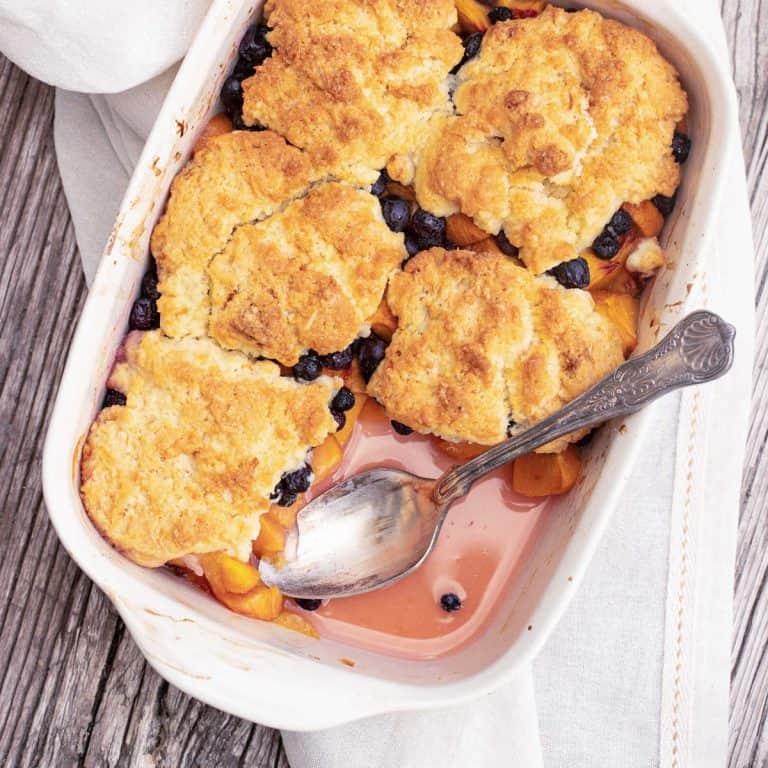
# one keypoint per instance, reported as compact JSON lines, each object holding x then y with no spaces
{"x":76,"y":691}
{"x":746,"y":23}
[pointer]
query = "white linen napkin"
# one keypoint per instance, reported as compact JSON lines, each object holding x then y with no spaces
{"x":637,"y":672}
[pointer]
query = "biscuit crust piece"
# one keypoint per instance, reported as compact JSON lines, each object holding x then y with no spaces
{"x":560,"y":119}
{"x":481,"y":343}
{"x":354,"y":82}
{"x":187,"y":465}
{"x":309,"y":277}
{"x":236,"y":178}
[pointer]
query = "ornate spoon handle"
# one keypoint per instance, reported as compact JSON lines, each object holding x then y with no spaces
{"x":698,"y":349}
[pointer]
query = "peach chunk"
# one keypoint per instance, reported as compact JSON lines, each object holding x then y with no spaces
{"x":286,"y":516}
{"x":271,"y":535}
{"x":353,"y":379}
{"x":462,"y":231}
{"x":228,"y":574}
{"x":216,"y":126}
{"x":326,"y":457}
{"x":473,"y":16}
{"x":623,"y":311}
{"x":263,"y":603}
{"x":384,"y":323}
{"x":647,"y":218}
{"x":546,"y":474}
{"x":297,"y":624}
{"x":461,"y":451}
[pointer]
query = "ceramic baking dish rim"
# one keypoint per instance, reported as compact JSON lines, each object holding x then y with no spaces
{"x":162,"y":625}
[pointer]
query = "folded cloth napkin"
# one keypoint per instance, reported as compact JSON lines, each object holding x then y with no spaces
{"x":637,"y":672}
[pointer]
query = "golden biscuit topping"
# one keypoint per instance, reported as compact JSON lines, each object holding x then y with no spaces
{"x":560,"y":119}
{"x":236,"y":178}
{"x":481,"y":342}
{"x":354,"y":82}
{"x":309,"y":277}
{"x":188,"y":464}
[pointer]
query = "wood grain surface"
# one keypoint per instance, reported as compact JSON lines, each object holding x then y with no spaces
{"x":74,"y":688}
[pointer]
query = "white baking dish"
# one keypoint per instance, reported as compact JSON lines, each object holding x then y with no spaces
{"x":258,"y":670}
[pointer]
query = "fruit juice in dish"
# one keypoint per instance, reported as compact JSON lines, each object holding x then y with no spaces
{"x":484,"y":536}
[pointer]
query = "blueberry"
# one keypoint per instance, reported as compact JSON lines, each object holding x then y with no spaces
{"x":620,"y":223}
{"x":254,"y":47}
{"x":500,"y":14}
{"x":380,"y":184}
{"x":571,"y":274}
{"x":505,"y":246}
{"x":681,"y":147}
{"x":471,"y":45}
{"x":664,"y":204}
{"x":149,"y":285}
{"x":396,"y":212}
{"x":243,"y":69}
{"x":297,"y":481}
{"x":450,"y":602}
{"x":232,"y":95}
{"x":428,"y":228}
{"x":308,"y":368}
{"x":144,"y":315}
{"x":113,"y":397}
{"x":370,"y":354}
{"x":338,"y":360}
{"x":606,"y":245}
{"x":308,"y":604}
{"x":412,"y":245}
{"x":400,"y":428}
{"x":344,"y":400}
{"x":340,"y":419}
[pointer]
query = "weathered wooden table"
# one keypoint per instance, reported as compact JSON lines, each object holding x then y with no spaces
{"x":74,"y":689}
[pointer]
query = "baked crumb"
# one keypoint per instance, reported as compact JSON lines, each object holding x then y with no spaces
{"x":354,"y":82}
{"x":481,"y":342}
{"x":188,"y":464}
{"x":309,"y":277}
{"x":560,"y":119}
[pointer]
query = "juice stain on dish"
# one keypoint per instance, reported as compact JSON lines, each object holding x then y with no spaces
{"x":483,"y":539}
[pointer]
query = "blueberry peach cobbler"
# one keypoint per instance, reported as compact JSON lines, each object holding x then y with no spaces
{"x":438,"y":214}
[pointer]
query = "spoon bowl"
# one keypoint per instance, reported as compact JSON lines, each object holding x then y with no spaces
{"x":376,"y":527}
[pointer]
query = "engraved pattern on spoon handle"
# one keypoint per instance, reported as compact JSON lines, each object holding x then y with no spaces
{"x":698,"y":349}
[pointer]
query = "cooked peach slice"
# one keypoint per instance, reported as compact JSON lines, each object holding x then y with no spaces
{"x":647,"y":218}
{"x":353,"y":414}
{"x":353,"y":379}
{"x":462,"y":231}
{"x":286,"y":516}
{"x":473,"y":16}
{"x":461,"y":451}
{"x":271,"y":535}
{"x":534,"y":6}
{"x":488,"y":245}
{"x":623,"y":310}
{"x":546,"y":474}
{"x":228,"y":574}
{"x":326,"y":457}
{"x":263,"y":603}
{"x":297,"y":624}
{"x":216,"y":126}
{"x":621,"y":281}
{"x":384,"y":323}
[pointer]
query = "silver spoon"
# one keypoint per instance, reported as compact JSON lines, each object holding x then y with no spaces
{"x":376,"y":527}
